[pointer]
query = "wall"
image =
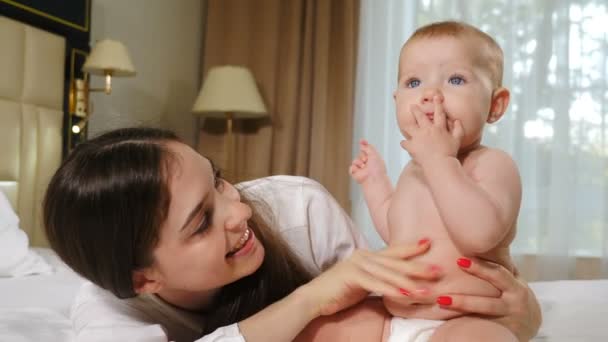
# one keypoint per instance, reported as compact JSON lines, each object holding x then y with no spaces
{"x":164,"y":39}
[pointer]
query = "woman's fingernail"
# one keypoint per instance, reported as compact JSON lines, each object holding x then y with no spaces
{"x":444,"y":300}
{"x":423,"y":241}
{"x":464,"y":262}
{"x":405,"y":292}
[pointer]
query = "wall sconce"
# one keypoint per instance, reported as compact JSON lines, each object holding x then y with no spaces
{"x":108,"y":58}
{"x":229,"y":92}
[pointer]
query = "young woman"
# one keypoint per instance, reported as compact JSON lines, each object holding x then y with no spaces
{"x":174,"y":252}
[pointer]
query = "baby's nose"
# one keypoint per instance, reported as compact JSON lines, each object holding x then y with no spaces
{"x":428,"y":94}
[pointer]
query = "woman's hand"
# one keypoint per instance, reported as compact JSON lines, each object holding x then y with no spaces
{"x":383,"y":272}
{"x":517,"y":308}
{"x":341,"y":286}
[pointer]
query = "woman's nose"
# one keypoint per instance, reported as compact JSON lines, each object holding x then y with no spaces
{"x":231,"y":192}
{"x":236,"y":213}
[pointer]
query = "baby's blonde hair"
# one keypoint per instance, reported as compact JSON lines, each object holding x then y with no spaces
{"x":490,"y":53}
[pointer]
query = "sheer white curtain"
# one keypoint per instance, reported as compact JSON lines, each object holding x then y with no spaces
{"x":556,"y":66}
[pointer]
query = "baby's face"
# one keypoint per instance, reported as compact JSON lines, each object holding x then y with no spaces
{"x":448,"y":67}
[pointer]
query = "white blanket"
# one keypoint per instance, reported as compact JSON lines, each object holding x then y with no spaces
{"x":16,"y":258}
{"x":36,"y":308}
{"x":573,"y":310}
{"x":34,"y":324}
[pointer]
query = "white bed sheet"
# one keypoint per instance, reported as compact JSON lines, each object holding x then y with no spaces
{"x":573,"y":310}
{"x":36,"y":308}
{"x":54,"y":292}
{"x":29,"y":325}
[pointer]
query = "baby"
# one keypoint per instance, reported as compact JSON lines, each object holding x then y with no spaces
{"x":463,"y":196}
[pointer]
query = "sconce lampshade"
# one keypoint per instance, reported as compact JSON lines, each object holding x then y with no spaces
{"x":109,"y":56}
{"x":230,"y":89}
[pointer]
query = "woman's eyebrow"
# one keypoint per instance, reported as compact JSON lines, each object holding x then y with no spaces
{"x":192,"y":214}
{"x":213,"y":167}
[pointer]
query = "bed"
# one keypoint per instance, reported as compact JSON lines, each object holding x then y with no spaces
{"x":573,"y":310}
{"x":36,"y":307}
{"x":36,"y":288}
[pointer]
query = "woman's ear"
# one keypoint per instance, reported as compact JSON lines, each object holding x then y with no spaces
{"x":500,"y":102}
{"x":146,"y":281}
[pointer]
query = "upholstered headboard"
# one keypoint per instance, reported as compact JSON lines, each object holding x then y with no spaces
{"x":31,"y":118}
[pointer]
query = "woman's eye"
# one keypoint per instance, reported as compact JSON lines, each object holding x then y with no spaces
{"x":218,"y":181}
{"x":456,"y":80}
{"x":412,"y":83}
{"x":202,"y":227}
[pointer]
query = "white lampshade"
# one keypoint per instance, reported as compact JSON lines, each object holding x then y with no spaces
{"x":109,"y":56}
{"x":230,"y":89}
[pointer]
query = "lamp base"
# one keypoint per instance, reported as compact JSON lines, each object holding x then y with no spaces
{"x":230,"y":162}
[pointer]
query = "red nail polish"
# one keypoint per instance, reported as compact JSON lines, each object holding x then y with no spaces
{"x":444,"y":300}
{"x":405,"y":292}
{"x":423,"y":241}
{"x":464,"y":262}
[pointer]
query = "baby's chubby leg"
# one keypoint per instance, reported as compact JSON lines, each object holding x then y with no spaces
{"x":467,"y":329}
{"x":366,"y":321}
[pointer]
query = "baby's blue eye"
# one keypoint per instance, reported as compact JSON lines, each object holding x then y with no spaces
{"x":456,"y":80}
{"x":413,"y":83}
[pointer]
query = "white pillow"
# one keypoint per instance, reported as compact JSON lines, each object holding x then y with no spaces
{"x":16,"y":258}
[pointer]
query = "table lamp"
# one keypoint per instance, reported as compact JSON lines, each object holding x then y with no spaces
{"x":229,"y":92}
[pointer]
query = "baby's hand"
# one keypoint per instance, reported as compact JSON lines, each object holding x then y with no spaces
{"x":368,"y":164}
{"x":433,"y":139}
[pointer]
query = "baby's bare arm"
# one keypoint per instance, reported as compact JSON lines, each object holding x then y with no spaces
{"x":479,"y":207}
{"x":369,"y":170}
{"x":378,"y":194}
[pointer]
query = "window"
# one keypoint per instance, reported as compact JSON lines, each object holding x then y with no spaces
{"x":556,"y":67}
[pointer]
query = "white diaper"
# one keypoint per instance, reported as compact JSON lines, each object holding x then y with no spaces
{"x":412,"y":329}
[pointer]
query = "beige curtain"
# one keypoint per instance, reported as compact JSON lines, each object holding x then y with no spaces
{"x":303,"y":55}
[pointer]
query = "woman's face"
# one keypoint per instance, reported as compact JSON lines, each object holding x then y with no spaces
{"x":205,"y":243}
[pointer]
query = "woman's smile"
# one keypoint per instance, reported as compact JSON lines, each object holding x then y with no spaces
{"x":244,"y":245}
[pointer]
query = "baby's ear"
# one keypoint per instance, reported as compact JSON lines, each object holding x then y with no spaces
{"x":500,"y":102}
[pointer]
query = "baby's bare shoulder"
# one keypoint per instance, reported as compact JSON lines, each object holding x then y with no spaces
{"x":486,"y":154}
{"x":488,"y":161}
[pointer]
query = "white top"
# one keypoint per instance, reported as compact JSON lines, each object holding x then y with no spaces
{"x":308,"y":218}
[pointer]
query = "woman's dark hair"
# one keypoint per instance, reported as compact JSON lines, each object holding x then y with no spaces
{"x":104,"y":206}
{"x":102,"y":215}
